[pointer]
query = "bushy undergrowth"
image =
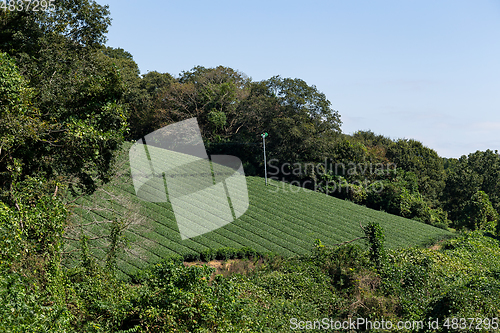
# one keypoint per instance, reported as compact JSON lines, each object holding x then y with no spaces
{"x":459,"y":278}
{"x":223,"y":253}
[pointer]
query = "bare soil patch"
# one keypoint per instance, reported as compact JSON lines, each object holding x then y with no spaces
{"x":230,"y":266}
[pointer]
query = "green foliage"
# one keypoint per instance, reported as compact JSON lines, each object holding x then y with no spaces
{"x":413,"y":156}
{"x":282,"y":219}
{"x":223,"y":253}
{"x":217,"y":119}
{"x":98,"y":301}
{"x":34,"y":225}
{"x":181,"y":298}
{"x":210,"y":94}
{"x":465,"y":300}
{"x":341,"y":263}
{"x":117,"y":241}
{"x":10,"y":237}
{"x":347,"y":152}
{"x":65,"y":104}
{"x":399,"y":195}
{"x":30,"y":241}
{"x":82,"y":22}
{"x":479,"y":213}
{"x":40,"y":215}
{"x":300,"y":120}
{"x":473,"y":181}
{"x":75,"y":122}
{"x":407,"y":275}
{"x":364,"y":169}
{"x":461,"y":280}
{"x":26,"y":307}
{"x":339,"y":283}
{"x":14,"y":90}
{"x":375,"y":239}
{"x":144,"y":101}
{"x":20,"y":123}
{"x":372,"y":140}
{"x":231,"y":111}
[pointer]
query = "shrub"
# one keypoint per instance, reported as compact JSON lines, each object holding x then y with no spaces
{"x":208,"y":255}
{"x":375,"y":239}
{"x":179,"y":298}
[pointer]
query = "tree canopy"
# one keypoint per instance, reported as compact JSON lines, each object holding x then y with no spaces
{"x":233,"y":109}
{"x":76,"y":90}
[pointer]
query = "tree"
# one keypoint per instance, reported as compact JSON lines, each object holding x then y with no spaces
{"x":479,"y":213}
{"x":144,"y":103}
{"x":376,"y":145}
{"x":77,"y":89}
{"x":20,"y":122}
{"x":375,"y":238}
{"x":299,"y":119}
{"x":487,"y":165}
{"x":477,"y":172}
{"x":306,"y":123}
{"x":127,"y":67}
{"x":80,"y":22}
{"x":212,"y":95}
{"x":412,"y":155}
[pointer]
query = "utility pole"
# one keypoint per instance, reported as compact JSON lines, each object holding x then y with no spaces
{"x":265,"y":163}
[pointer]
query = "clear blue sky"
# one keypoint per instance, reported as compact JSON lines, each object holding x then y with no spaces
{"x":422,"y":69}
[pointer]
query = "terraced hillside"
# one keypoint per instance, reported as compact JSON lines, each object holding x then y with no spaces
{"x":280,"y":218}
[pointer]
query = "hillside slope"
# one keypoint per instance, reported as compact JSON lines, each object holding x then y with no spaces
{"x":281,"y":218}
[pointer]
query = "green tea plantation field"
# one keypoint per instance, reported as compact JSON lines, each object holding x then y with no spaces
{"x":281,"y":218}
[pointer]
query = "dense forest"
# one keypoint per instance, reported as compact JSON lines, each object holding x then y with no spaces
{"x":67,"y":105}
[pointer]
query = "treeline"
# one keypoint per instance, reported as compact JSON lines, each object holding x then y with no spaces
{"x":417,"y":183}
{"x":409,"y":180}
{"x":232,"y":111}
{"x":68,"y":103}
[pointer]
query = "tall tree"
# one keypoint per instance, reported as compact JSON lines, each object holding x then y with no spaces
{"x":20,"y":123}
{"x":77,"y":88}
{"x":144,"y":102}
{"x":479,"y":171}
{"x":303,"y":123}
{"x":411,"y":155}
{"x":210,"y":94}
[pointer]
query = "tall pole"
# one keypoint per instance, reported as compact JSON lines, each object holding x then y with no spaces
{"x":265,"y":162}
